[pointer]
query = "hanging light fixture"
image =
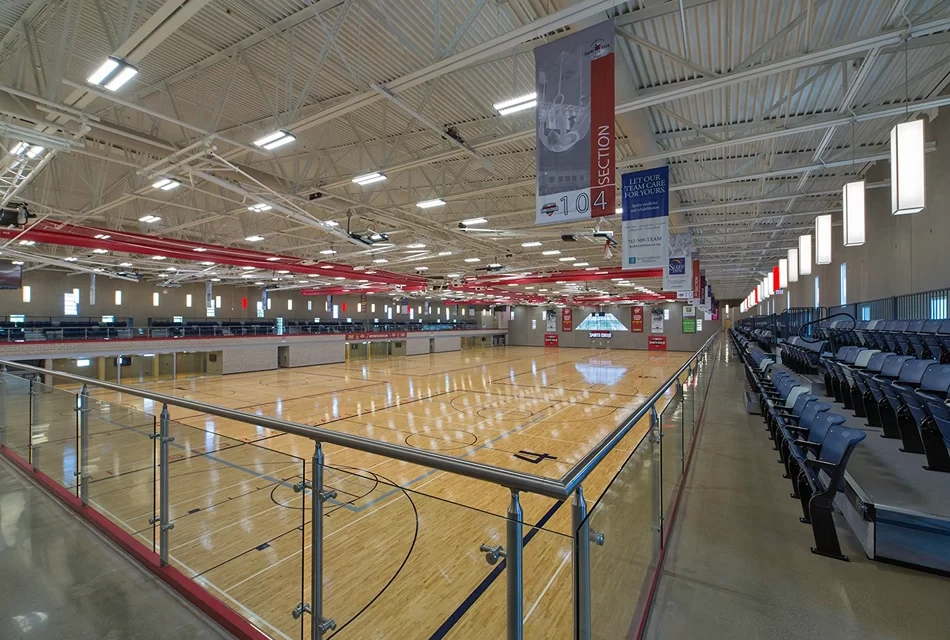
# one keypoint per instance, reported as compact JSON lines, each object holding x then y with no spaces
{"x":804,"y":255}
{"x":823,"y":239}
{"x":783,"y":273}
{"x":853,"y":201}
{"x":907,"y":168}
{"x":793,"y":265}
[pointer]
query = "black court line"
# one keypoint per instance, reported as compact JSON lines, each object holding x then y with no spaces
{"x":477,"y":593}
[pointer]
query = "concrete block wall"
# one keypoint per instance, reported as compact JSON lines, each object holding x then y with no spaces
{"x":241,"y":360}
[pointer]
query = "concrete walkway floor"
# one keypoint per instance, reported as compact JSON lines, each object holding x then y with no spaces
{"x":59,"y":579}
{"x":739,"y":564}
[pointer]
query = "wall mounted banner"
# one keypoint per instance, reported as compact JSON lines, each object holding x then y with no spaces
{"x":678,"y":273}
{"x":567,"y":319}
{"x":689,"y":318}
{"x":656,"y":343}
{"x":636,"y":319}
{"x":550,"y":320}
{"x":575,"y":117}
{"x":646,"y":219}
{"x":550,"y":339}
{"x":656,"y":320}
{"x":92,"y":289}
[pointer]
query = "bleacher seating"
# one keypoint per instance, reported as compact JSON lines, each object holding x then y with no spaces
{"x":813,"y":442}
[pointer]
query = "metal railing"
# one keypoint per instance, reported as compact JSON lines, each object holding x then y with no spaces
{"x":568,"y":486}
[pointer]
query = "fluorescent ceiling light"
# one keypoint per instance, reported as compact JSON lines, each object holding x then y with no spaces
{"x":100,"y":251}
{"x":159,"y":258}
{"x":113,"y":73}
{"x":853,"y":218}
{"x":331,"y":223}
{"x":254,"y":238}
{"x":380,"y":260}
{"x":328,"y":252}
{"x":208,"y":264}
{"x":28,"y":243}
{"x":121,"y":264}
{"x":416,"y":245}
{"x":495,"y":265}
{"x":590,"y":268}
{"x":567,"y":259}
{"x":215,"y":279}
{"x":166,"y":184}
{"x":422,"y":268}
{"x":908,"y":192}
{"x":260,"y":206}
{"x":581,"y":264}
{"x":823,"y":239}
{"x":149,"y":219}
{"x":199,"y":249}
{"x":102,"y":236}
{"x":472,"y":260}
{"x":551,"y":252}
{"x":34,"y":151}
{"x":274,"y":140}
{"x":618,"y":210}
{"x":72,"y":259}
{"x":273,"y":259}
{"x":452,"y":275}
{"x":369,"y":178}
{"x":473,"y":221}
{"x":19,"y":148}
{"x":282,"y":271}
{"x":514,"y":105}
{"x":428,"y":204}
{"x":445,"y":253}
{"x":248,"y":268}
{"x":530,"y":244}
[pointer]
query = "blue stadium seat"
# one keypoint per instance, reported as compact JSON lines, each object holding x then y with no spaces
{"x":890,"y":372}
{"x":862,"y":383}
{"x":822,"y":479}
{"x":910,"y":377}
{"x":928,"y":338}
{"x":932,"y":398}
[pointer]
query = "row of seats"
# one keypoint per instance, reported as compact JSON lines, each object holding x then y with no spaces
{"x":904,"y":396}
{"x":924,"y":339}
{"x":814,"y":444}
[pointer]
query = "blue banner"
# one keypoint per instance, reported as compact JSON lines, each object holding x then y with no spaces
{"x":646,"y":214}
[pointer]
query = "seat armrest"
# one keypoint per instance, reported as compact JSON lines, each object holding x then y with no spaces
{"x":818,"y":465}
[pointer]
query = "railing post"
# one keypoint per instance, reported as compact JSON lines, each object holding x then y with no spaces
{"x":318,"y":624}
{"x":84,"y":476}
{"x":682,"y":395}
{"x":515,"y":569}
{"x":32,"y":451}
{"x":164,"y":525}
{"x":118,"y":370}
{"x":656,"y":423}
{"x":581,"y":528}
{"x":3,"y":404}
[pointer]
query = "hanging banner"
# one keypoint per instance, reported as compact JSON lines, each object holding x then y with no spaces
{"x":567,"y":319}
{"x":636,"y":319}
{"x":702,"y":289}
{"x":656,"y":343}
{"x":550,"y":320}
{"x":678,"y":272}
{"x":697,"y":282}
{"x":646,"y":219}
{"x":656,"y":320}
{"x":575,"y":117}
{"x":689,"y":318}
{"x":92,"y":288}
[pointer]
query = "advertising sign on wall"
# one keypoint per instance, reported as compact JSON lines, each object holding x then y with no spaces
{"x":646,"y":215}
{"x":550,"y":339}
{"x":567,"y":319}
{"x":656,"y":320}
{"x":636,"y":319}
{"x":574,"y":80}
{"x":656,"y":343}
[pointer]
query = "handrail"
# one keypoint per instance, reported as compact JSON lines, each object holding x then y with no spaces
{"x":579,"y":472}
{"x":505,"y":477}
{"x":514,"y":480}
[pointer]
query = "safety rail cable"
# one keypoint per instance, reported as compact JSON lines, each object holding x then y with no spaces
{"x":515,"y":480}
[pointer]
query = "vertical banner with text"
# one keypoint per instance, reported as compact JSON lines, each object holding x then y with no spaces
{"x":646,"y":219}
{"x":689,"y":318}
{"x":656,"y":320}
{"x":678,"y":273}
{"x":697,"y":282}
{"x":575,"y":118}
{"x":567,"y":319}
{"x":550,"y":320}
{"x":636,"y":319}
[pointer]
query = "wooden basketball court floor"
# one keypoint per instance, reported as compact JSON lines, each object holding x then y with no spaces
{"x":401,"y":547}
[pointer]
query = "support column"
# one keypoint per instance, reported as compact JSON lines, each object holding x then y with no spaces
{"x":174,"y":366}
{"x":84,"y":476}
{"x":515,"y":568}
{"x":101,"y":368}
{"x":118,"y":370}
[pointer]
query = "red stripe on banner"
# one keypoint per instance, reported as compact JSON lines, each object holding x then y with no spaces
{"x":603,"y":170}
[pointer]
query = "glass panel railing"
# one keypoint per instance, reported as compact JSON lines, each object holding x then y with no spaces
{"x":121,"y":467}
{"x":238,"y":514}
{"x":55,"y":435}
{"x":15,"y":413}
{"x":627,"y":515}
{"x":671,"y":450}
